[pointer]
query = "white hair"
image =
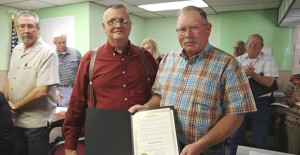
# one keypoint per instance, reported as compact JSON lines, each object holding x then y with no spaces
{"x":58,"y":34}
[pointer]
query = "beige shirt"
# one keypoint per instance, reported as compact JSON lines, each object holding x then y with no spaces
{"x":37,"y":67}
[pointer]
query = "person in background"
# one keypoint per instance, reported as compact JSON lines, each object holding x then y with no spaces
{"x":206,"y":85}
{"x":261,"y":68}
{"x":6,"y":128}
{"x":119,"y":78}
{"x":151,"y":46}
{"x":292,"y":120}
{"x":239,"y":48}
{"x":31,"y":86}
{"x":68,"y":62}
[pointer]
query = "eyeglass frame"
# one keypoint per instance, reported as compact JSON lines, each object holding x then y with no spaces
{"x":114,"y":21}
{"x":193,"y":28}
{"x":30,"y":27}
{"x":253,"y":43}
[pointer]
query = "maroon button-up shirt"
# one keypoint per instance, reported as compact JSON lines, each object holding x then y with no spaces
{"x":119,"y":82}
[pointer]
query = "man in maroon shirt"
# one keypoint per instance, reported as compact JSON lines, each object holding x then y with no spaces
{"x":119,"y":79}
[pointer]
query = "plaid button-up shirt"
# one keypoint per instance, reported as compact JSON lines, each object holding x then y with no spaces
{"x":202,"y":89}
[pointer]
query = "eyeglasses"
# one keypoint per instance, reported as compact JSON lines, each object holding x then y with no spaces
{"x":194,"y":28}
{"x":30,"y":27}
{"x":114,"y":21}
{"x":253,"y":43}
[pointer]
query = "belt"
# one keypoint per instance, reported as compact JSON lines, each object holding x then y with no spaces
{"x":65,"y":85}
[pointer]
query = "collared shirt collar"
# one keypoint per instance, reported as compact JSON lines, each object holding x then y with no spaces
{"x":199,"y":54}
{"x":127,"y":51}
{"x":62,"y":53}
{"x":259,"y":56}
{"x":32,"y":48}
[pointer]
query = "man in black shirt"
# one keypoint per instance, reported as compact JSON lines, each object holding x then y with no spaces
{"x":6,"y":128}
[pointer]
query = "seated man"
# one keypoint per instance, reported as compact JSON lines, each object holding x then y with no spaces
{"x":6,"y":128}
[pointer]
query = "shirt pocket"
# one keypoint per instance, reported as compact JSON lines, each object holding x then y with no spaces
{"x":205,"y":93}
{"x":29,"y":75}
{"x":74,"y":64}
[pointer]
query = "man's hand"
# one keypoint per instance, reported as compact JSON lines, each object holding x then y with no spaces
{"x":249,"y":70}
{"x":12,"y":109}
{"x":191,"y":149}
{"x":70,"y":152}
{"x":59,"y":96}
{"x":137,"y":107}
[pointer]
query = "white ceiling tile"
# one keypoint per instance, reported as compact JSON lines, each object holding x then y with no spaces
{"x":29,"y":5}
{"x":141,"y":2}
{"x":147,"y":15}
{"x":217,"y":6}
{"x":244,"y":7}
{"x":132,"y":9}
{"x":63,"y":2}
{"x":110,"y":2}
{"x":9,"y":1}
{"x":235,"y":2}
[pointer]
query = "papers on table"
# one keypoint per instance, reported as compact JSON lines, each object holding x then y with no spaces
{"x":61,"y":110}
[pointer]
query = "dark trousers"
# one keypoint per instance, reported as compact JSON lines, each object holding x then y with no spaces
{"x":32,"y":141}
{"x":218,"y":149}
{"x":259,"y":121}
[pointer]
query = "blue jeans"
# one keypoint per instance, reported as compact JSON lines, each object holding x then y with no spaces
{"x":66,"y":92}
{"x":260,"y":126}
{"x":32,"y":141}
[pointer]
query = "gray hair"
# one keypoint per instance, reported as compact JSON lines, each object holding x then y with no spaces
{"x":58,"y":34}
{"x":201,"y":12}
{"x":115,"y":6}
{"x":259,"y":36}
{"x":29,"y":14}
{"x":242,"y":44}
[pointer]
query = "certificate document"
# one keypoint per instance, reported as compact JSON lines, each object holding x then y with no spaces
{"x":154,"y":132}
{"x":117,"y":132}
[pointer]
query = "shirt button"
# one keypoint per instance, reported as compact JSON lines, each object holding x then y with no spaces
{"x":124,"y":85}
{"x":125,"y":99}
{"x":122,"y":59}
{"x":123,"y":72}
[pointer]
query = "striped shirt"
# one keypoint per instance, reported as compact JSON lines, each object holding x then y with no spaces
{"x":202,"y":89}
{"x":68,"y":63}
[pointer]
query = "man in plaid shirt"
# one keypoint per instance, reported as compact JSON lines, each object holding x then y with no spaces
{"x":206,"y":85}
{"x":68,"y":62}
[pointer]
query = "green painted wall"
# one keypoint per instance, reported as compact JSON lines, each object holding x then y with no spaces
{"x":88,"y":31}
{"x":97,"y":36}
{"x":240,"y":25}
{"x":227,"y":28}
{"x":80,"y":11}
{"x":5,"y":40}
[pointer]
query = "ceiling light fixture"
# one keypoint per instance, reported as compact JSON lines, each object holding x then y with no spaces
{"x":173,"y":5}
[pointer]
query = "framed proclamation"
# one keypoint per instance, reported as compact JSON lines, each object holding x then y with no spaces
{"x":116,"y":132}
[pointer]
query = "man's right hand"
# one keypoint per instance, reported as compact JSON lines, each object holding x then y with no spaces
{"x":70,"y":152}
{"x":59,"y":96}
